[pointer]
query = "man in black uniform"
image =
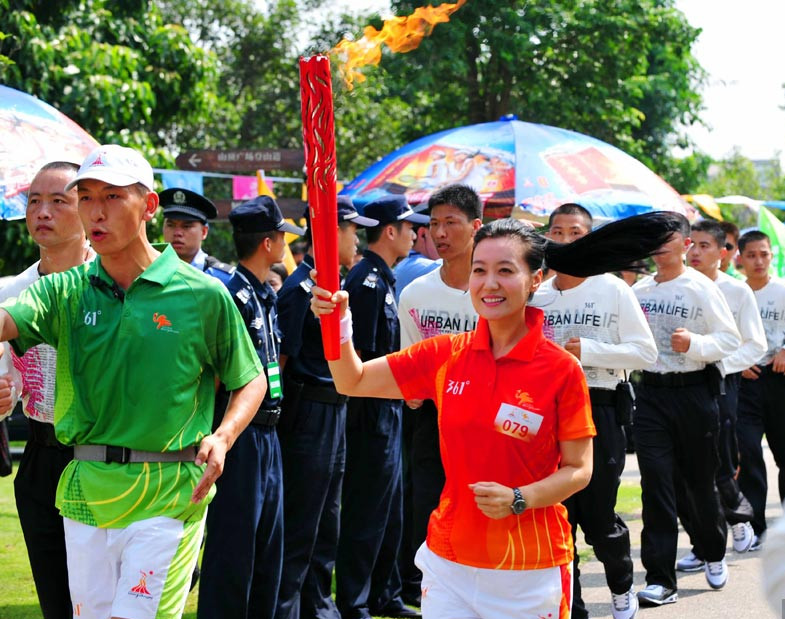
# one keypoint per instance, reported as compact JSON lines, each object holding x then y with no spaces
{"x":367,"y":575}
{"x":185,"y":227}
{"x":312,"y":436}
{"x":243,"y":553}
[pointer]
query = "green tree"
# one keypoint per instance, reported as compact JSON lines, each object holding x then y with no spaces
{"x":735,"y":175}
{"x":620,"y":70}
{"x":117,"y":69}
{"x":114,"y":67}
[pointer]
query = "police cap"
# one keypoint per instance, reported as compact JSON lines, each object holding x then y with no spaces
{"x":393,"y":208}
{"x":261,"y":215}
{"x":186,"y":205}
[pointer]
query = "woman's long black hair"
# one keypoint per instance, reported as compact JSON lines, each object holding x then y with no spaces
{"x":613,"y":247}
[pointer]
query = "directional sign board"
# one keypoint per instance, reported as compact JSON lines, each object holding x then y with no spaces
{"x":291,"y":208}
{"x":241,"y":160}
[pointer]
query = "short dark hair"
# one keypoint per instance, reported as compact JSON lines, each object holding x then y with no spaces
{"x":728,"y":227}
{"x":751,"y":237}
{"x":59,"y":165}
{"x":66,"y":166}
{"x":462,"y":197}
{"x":713,"y":229}
{"x":375,"y":233}
{"x":246,"y":243}
{"x":571,"y":208}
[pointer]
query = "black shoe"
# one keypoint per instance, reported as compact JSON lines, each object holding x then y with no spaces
{"x":397,"y":609}
{"x":412,"y":600}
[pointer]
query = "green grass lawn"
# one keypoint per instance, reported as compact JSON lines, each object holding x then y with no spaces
{"x":18,"y":598}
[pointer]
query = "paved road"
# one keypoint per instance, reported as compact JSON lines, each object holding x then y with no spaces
{"x":741,"y":598}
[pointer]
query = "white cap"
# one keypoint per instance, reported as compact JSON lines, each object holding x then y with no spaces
{"x":116,"y":165}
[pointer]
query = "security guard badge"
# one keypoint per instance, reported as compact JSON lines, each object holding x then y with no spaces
{"x":274,"y":379}
{"x":371,"y":279}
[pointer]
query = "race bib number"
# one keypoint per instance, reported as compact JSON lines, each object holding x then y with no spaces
{"x":517,"y":422}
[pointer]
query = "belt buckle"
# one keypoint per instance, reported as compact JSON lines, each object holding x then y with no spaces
{"x":121,"y":455}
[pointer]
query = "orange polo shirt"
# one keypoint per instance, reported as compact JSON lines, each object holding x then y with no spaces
{"x":500,"y":420}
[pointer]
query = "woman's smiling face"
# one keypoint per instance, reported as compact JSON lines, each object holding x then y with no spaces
{"x":501,"y":281}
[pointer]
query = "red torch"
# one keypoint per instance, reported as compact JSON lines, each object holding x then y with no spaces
{"x":316,"y":90}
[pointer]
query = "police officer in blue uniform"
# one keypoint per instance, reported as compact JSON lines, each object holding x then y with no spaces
{"x":367,"y":578}
{"x":243,"y":551}
{"x":313,"y":444}
{"x":185,"y":227}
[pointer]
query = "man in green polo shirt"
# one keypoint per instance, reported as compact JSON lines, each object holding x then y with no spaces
{"x":141,"y":337}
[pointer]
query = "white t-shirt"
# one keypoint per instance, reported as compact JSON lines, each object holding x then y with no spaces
{"x":771,"y":304}
{"x":605,"y":314}
{"x":741,"y":302}
{"x":429,"y":307}
{"x":36,"y":368}
{"x":693,"y":302}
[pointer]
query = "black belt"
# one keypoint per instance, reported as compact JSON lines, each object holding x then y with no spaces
{"x":602,"y":397}
{"x":124,"y":455}
{"x":42,"y":433}
{"x":266,"y":417}
{"x":322,"y":393}
{"x":675,"y":379}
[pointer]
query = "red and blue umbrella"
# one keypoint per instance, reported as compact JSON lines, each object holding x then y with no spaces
{"x":520,"y":167}
{"x":32,"y":133}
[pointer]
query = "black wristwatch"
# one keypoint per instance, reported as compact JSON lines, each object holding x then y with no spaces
{"x":519,"y":503}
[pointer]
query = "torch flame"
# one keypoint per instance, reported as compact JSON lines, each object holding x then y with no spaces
{"x":400,"y":34}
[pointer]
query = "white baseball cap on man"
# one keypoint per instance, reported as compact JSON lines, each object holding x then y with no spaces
{"x":116,"y":165}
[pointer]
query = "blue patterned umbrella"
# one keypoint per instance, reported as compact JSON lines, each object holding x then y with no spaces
{"x":32,"y":133}
{"x":522,"y":168}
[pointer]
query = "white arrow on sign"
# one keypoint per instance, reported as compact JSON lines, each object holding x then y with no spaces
{"x":194,"y":160}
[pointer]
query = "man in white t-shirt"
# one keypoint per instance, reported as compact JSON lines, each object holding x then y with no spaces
{"x":432,"y":304}
{"x":599,"y":321}
{"x":762,"y":389}
{"x":705,"y":255}
{"x":677,"y":417}
{"x":53,"y":223}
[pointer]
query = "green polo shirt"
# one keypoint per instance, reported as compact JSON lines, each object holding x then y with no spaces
{"x":137,"y":372}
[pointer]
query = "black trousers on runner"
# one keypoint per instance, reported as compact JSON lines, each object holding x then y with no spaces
{"x":35,"y":487}
{"x":594,"y":507}
{"x":427,"y":470}
{"x":676,"y":429}
{"x":761,"y":412}
{"x":366,"y":569}
{"x":411,"y":576}
{"x":313,"y":450}
{"x":735,"y":506}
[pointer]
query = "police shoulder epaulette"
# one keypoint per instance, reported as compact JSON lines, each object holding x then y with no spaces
{"x":307,"y":284}
{"x":244,"y":295}
{"x":214,"y":263}
{"x":371,"y":279}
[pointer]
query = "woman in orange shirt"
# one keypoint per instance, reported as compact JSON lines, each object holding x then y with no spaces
{"x":514,"y":421}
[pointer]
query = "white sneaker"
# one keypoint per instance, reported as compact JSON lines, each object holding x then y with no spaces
{"x":717,"y":574}
{"x":657,"y":595}
{"x":624,"y":605}
{"x":743,"y":536}
{"x":690,"y":563}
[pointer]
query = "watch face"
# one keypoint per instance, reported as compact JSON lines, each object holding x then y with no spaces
{"x":518,"y":506}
